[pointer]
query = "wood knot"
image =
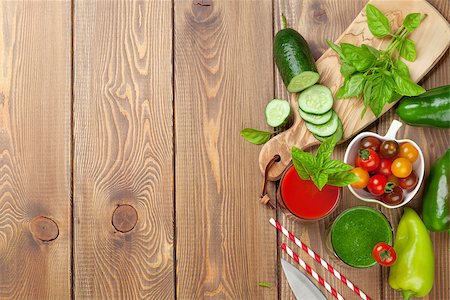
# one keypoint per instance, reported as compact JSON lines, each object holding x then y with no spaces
{"x":319,"y":14}
{"x":44,"y":229}
{"x":124,"y":218}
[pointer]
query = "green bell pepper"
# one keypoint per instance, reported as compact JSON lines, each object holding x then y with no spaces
{"x":413,"y":272}
{"x":435,"y":200}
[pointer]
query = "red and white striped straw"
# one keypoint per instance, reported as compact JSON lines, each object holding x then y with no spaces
{"x":316,"y":257}
{"x":308,"y":269}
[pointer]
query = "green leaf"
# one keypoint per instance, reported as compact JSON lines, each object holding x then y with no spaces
{"x":402,"y":69}
{"x":325,"y":150}
{"x":412,"y":21}
{"x":405,"y":86}
{"x":381,"y":93}
{"x":367,"y":94}
{"x":304,"y":163}
{"x":342,"y":178}
{"x":377,"y":22}
{"x":360,"y":58}
{"x":320,"y":179}
{"x":353,"y":87}
{"x":372,"y":50}
{"x":255,"y":136}
{"x":265,"y":284}
{"x":347,"y":69}
{"x":408,"y":50}
{"x":335,"y":48}
{"x":334,"y":166}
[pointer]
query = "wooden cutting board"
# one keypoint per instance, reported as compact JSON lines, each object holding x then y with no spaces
{"x":432,"y":39}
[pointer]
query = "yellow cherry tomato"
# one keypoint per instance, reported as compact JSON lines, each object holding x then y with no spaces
{"x":363,"y":178}
{"x":401,"y":167}
{"x":408,"y":151}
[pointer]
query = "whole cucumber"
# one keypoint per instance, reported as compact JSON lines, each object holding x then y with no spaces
{"x":435,"y":200}
{"x":294,"y":60}
{"x":430,"y":109}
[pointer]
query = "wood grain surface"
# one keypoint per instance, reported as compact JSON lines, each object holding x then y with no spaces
{"x":432,"y":39}
{"x":133,"y":109}
{"x":123,"y":156}
{"x":35,"y":132}
{"x":223,"y":79}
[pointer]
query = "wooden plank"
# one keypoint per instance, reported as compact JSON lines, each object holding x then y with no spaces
{"x":35,"y":118}
{"x":317,"y":21}
{"x":433,"y":142}
{"x":123,"y":167}
{"x":223,"y":79}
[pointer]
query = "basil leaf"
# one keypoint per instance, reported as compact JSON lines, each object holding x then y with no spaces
{"x":381,"y":93}
{"x":408,"y":50}
{"x":320,"y":179}
{"x":367,"y":94}
{"x":377,"y":22}
{"x":342,"y":178}
{"x":402,"y":69}
{"x":265,"y":284}
{"x":334,"y":166}
{"x":372,"y":50}
{"x":335,"y":48}
{"x":360,"y":58}
{"x":257,"y":137}
{"x":412,"y":21}
{"x":325,"y":150}
{"x":347,"y":69}
{"x":405,"y":86}
{"x":304,"y":163}
{"x":353,"y":87}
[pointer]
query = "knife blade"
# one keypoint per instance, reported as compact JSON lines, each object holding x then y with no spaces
{"x":300,"y":284}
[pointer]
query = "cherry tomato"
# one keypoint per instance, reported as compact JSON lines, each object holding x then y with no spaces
{"x":371,"y":142}
{"x":408,"y":151}
{"x":384,"y":254}
{"x":393,"y":198}
{"x":363,"y":178}
{"x":401,"y":167}
{"x":376,"y":185}
{"x":393,"y":179}
{"x":409,"y":182}
{"x":384,"y":168}
{"x":389,"y":149}
{"x":368,"y":160}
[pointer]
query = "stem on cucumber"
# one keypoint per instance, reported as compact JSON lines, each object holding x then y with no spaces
{"x":283,"y":18}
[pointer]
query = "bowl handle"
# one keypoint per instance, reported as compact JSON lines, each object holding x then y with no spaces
{"x":392,"y":131}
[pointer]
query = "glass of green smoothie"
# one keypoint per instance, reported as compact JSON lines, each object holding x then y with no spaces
{"x":354,"y":234}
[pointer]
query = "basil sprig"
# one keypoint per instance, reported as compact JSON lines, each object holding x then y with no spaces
{"x":379,"y":76}
{"x":320,"y":168}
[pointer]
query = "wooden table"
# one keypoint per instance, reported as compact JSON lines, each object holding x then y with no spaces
{"x":122,"y":172}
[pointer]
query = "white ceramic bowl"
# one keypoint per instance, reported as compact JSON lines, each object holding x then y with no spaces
{"x":418,"y":165}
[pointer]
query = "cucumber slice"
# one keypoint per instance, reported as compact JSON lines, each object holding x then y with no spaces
{"x":277,"y":112}
{"x":294,"y":60}
{"x":302,"y":81}
{"x":316,"y":99}
{"x":316,"y":119}
{"x":326,"y":129}
{"x":337,"y":135}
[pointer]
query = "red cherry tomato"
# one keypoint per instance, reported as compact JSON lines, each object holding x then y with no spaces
{"x":384,"y":254}
{"x":409,"y":182}
{"x":394,"y":197}
{"x":371,"y":142}
{"x":368,"y":160}
{"x":376,"y":185}
{"x":384,"y":168}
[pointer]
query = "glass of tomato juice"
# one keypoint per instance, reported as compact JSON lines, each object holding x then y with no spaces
{"x":303,"y":199}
